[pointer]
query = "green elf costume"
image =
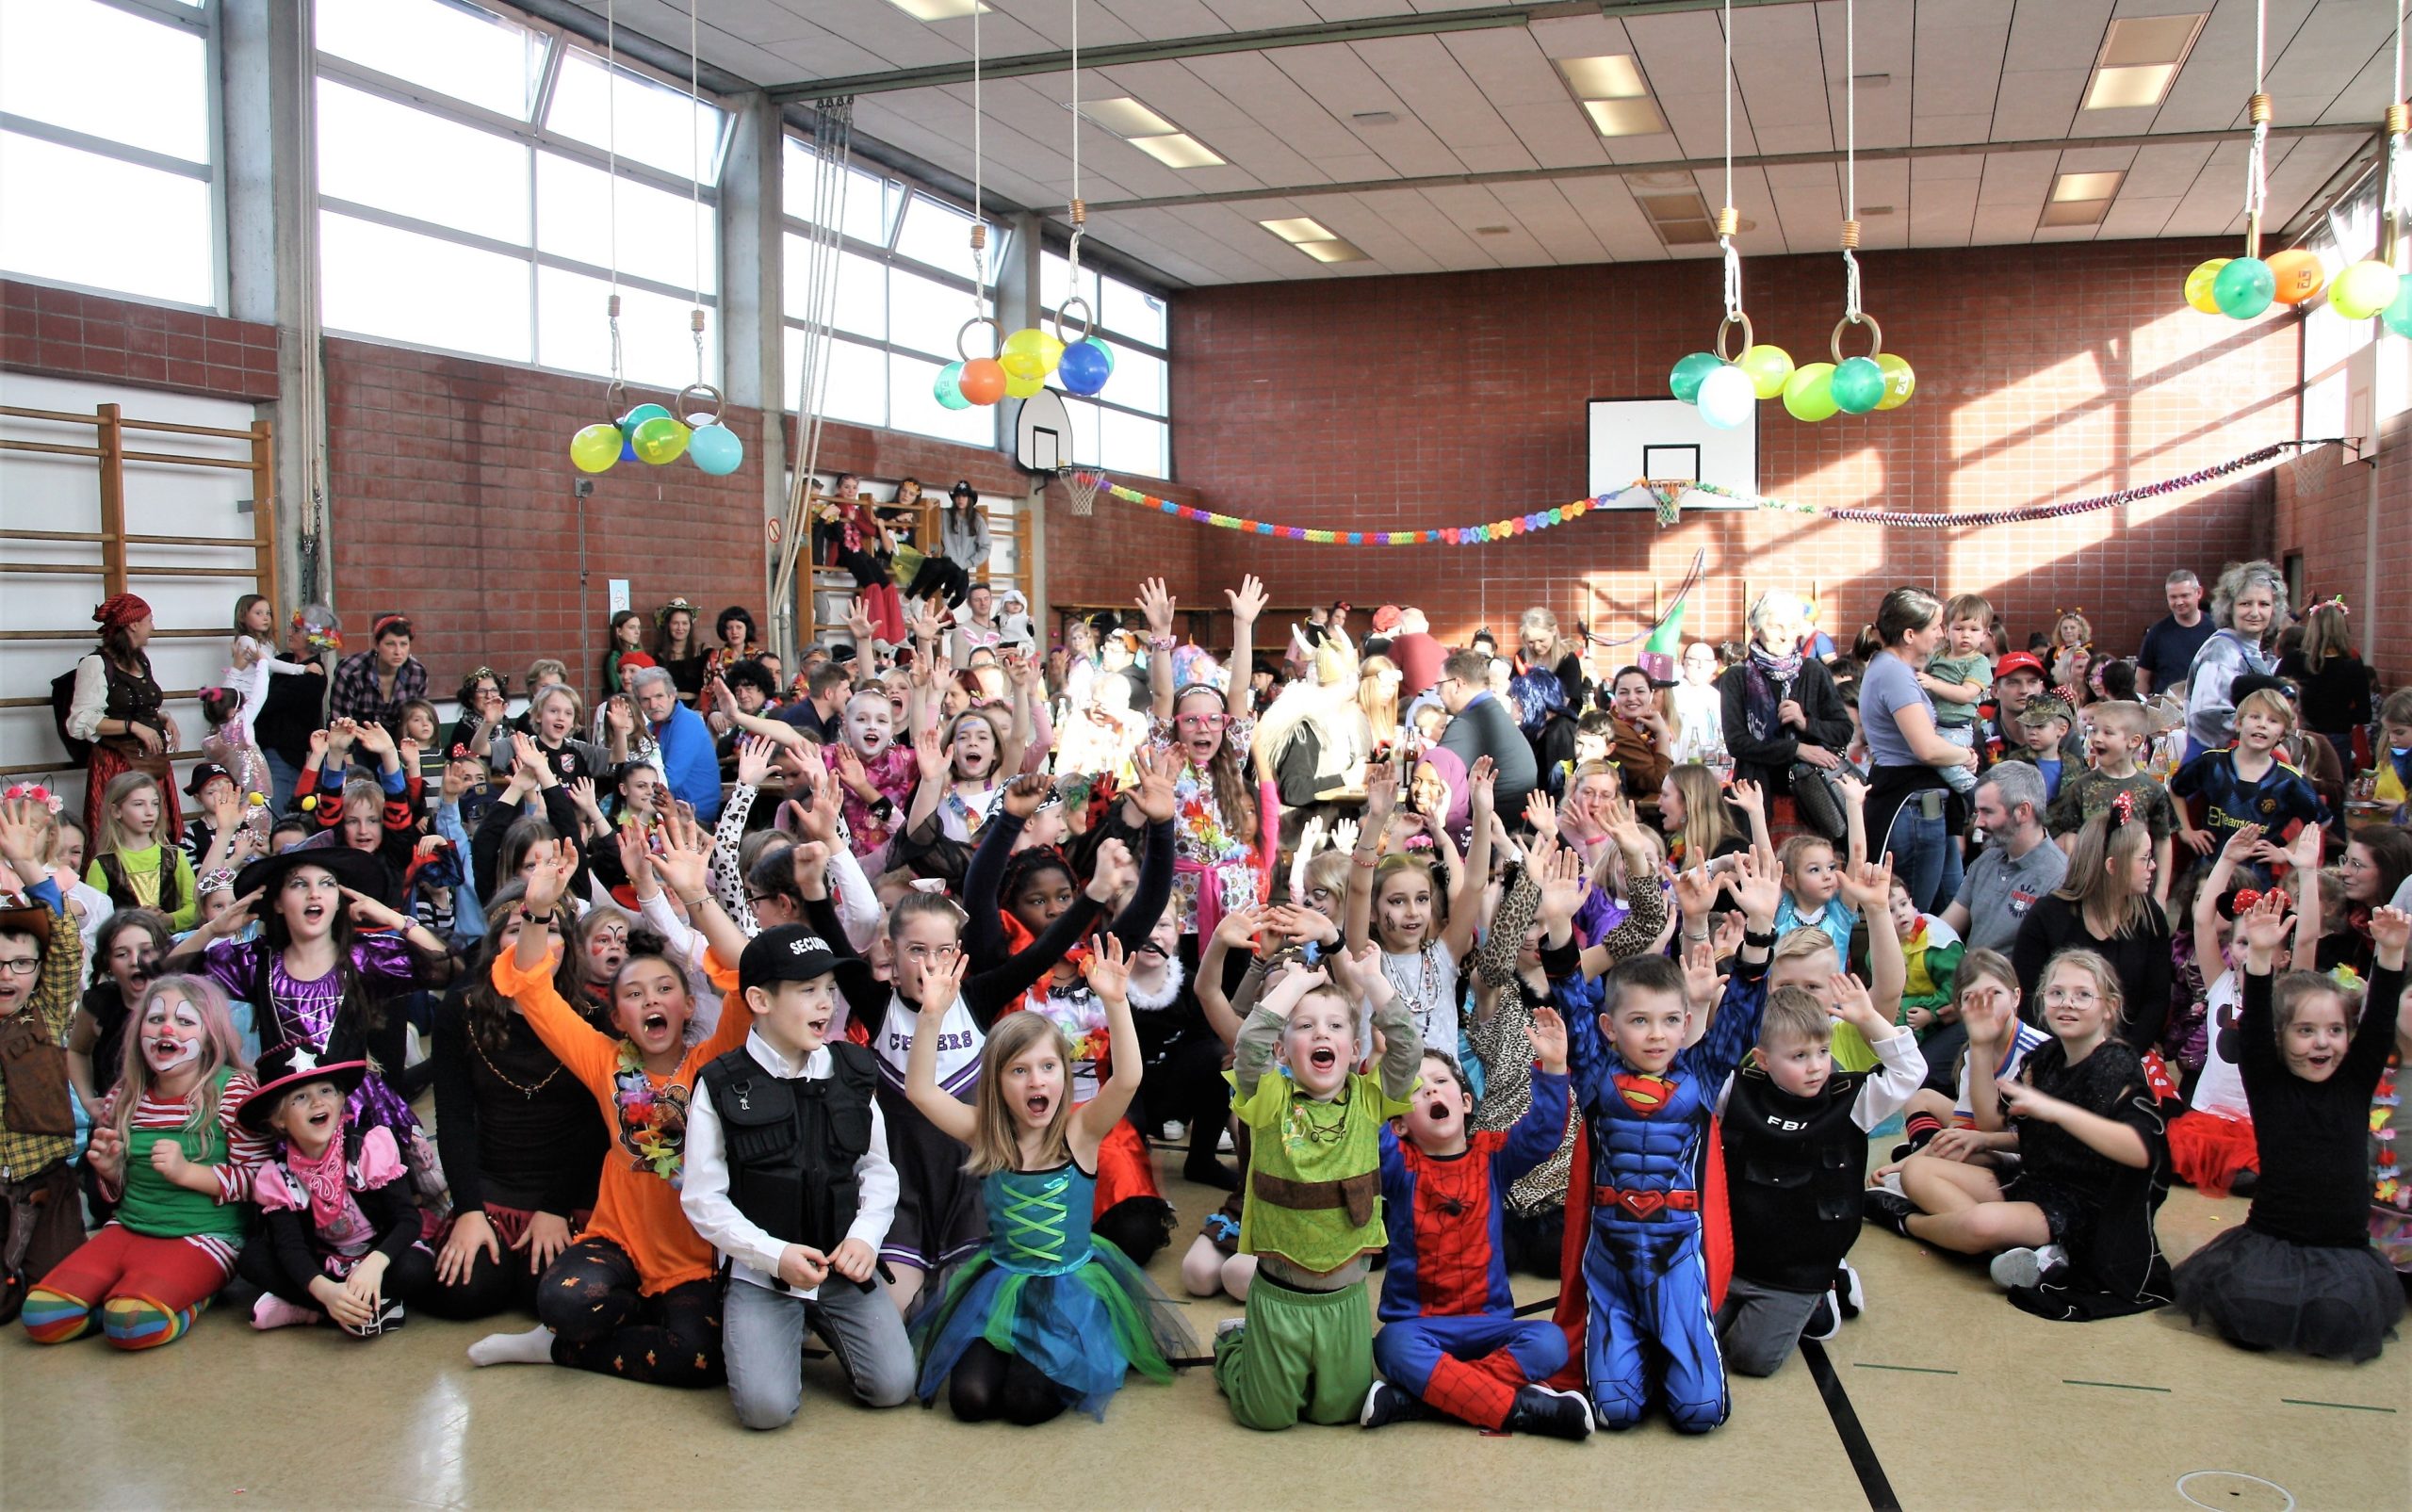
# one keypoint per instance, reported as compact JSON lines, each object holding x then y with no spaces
{"x":1312,"y":1215}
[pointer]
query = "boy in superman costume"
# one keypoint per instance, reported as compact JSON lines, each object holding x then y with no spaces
{"x":1645,"y":1208}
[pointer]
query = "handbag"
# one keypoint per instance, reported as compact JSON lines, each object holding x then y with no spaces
{"x":1818,"y":801}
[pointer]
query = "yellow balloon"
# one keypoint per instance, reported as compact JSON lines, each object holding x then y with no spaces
{"x":1767,"y":367}
{"x":1018,"y":387}
{"x":1900,"y":382}
{"x":660,"y":440}
{"x":2363,"y":290}
{"x":595,"y":448}
{"x":2198,"y":286}
{"x":1029,"y":352}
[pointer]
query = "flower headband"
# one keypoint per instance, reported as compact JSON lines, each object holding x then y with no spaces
{"x":2334,"y":601}
{"x":318,"y":637}
{"x":661,"y":616}
{"x":34,"y":792}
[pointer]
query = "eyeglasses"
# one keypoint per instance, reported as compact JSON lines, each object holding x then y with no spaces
{"x":1204,"y":721}
{"x":21,"y":965}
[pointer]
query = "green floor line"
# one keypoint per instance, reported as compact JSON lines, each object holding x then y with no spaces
{"x":2345,"y":1406}
{"x":2116,"y":1385}
{"x":1911,"y":1370}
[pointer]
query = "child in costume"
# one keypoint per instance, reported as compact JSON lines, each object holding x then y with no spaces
{"x":1795,"y":1132}
{"x":341,"y":1239}
{"x":1451,"y":1342}
{"x":788,"y":1177}
{"x":2301,"y":1273}
{"x":1931,"y":952}
{"x":1314,"y":1210}
{"x":1047,"y":1315}
{"x":637,"y":1296}
{"x":1391,"y":900}
{"x":2212,"y":1144}
{"x":251,"y":661}
{"x":170,"y":1152}
{"x":2249,"y":782}
{"x":1646,"y":1096}
{"x":41,"y":966}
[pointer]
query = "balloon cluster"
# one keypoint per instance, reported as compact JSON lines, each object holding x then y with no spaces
{"x":1021,"y":367}
{"x":651,"y":434}
{"x":1724,"y":391}
{"x":2242,"y":287}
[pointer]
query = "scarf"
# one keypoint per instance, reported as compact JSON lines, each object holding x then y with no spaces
{"x":325,"y":1181}
{"x":1767,"y":681}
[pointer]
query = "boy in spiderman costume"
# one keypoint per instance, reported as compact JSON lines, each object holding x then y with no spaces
{"x":1646,"y":1075}
{"x":1451,"y":1342}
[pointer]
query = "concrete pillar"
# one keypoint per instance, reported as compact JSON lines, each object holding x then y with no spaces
{"x":752,"y":302}
{"x":270,"y":125}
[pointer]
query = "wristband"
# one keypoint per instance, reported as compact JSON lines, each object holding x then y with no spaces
{"x":1758,"y":941}
{"x":696,"y":903}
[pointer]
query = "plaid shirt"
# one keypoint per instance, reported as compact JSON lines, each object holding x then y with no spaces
{"x":358,"y":694}
{"x":54,"y":995}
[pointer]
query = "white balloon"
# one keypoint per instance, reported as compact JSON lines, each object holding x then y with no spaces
{"x":1726,"y":397}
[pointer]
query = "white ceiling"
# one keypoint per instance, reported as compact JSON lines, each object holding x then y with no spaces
{"x":1962,"y":72}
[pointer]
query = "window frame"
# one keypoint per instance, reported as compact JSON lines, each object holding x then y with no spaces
{"x":533,"y":135}
{"x":204,"y":19}
{"x":1120,"y":339}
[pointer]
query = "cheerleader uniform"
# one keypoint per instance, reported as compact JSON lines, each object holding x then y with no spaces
{"x":2301,"y":1273}
{"x":1046,"y":1292}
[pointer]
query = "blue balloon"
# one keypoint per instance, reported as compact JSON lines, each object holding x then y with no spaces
{"x":716,"y":450}
{"x":628,"y":448}
{"x":1086,"y":366}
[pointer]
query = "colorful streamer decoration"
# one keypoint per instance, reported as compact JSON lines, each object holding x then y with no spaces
{"x":1667,"y":495}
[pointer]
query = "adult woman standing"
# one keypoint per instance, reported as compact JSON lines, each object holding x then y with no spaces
{"x":1377,"y":680}
{"x":1699,"y":707}
{"x":1908,"y":803}
{"x":116,"y":705}
{"x":1779,"y":708}
{"x":676,"y":649}
{"x":962,"y":548}
{"x":2249,"y":605}
{"x":2335,"y":682}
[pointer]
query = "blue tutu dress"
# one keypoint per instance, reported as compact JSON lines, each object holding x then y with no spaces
{"x":1043,"y":1289}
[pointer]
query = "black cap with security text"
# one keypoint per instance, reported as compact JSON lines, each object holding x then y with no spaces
{"x":787,"y":953}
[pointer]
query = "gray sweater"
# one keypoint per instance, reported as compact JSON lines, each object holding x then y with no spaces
{"x":965,"y":542}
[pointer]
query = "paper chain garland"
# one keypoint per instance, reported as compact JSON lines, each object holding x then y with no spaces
{"x":1669,"y":496}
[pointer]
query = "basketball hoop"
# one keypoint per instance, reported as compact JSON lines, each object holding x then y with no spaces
{"x":1083,"y":484}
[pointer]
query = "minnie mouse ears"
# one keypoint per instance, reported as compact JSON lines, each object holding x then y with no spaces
{"x":2234,"y":904}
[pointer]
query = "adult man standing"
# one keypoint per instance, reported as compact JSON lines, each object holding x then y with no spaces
{"x":1419,"y":658}
{"x":2170,"y":645}
{"x":2018,"y":681}
{"x":1480,"y":725}
{"x":688,"y":762}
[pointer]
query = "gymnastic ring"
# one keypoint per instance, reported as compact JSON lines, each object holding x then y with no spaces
{"x":1727,"y":324}
{"x":994,"y":330}
{"x":615,"y":402}
{"x":1874,"y":331}
{"x":691,"y":417}
{"x":1088,"y":321}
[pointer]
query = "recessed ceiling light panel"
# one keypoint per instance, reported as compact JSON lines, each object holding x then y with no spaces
{"x":938,"y":9}
{"x":2139,"y":59}
{"x":1298,"y":229}
{"x":1625,"y":117}
{"x":1126,"y":116}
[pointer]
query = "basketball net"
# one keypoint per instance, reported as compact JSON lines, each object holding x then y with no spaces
{"x":1083,"y":484}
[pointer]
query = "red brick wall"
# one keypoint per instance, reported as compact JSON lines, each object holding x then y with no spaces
{"x":2324,"y":505}
{"x":67,"y":334}
{"x":2044,"y":374}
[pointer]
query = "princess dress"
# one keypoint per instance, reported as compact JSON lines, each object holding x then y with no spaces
{"x":1043,"y":1289}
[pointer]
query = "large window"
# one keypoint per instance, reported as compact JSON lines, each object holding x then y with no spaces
{"x":479,"y":178}
{"x":904,"y":290}
{"x":107,"y":154}
{"x":1126,"y":428}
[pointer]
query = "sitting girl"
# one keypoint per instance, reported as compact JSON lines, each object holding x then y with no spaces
{"x":135,"y":864}
{"x":638,"y":1296}
{"x":1391,"y":902}
{"x":2300,"y":1274}
{"x":2073,"y":1229}
{"x":1046,"y":1316}
{"x":341,"y":1239}
{"x":170,"y":1152}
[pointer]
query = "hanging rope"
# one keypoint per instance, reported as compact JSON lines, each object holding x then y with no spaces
{"x":695,"y":187}
{"x":979,"y":164}
{"x":611,"y":189}
{"x":2260,"y":110}
{"x":832,"y":129}
{"x":1080,"y":208}
{"x":1729,"y":220}
{"x":1851,"y":160}
{"x":2395,"y":198}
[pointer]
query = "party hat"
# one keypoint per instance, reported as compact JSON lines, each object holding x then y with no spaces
{"x":1665,"y":646}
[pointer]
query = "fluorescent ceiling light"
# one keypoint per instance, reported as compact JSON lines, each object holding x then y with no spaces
{"x":2086,"y":185}
{"x":937,"y":9}
{"x":1126,"y":116}
{"x":1616,"y":76}
{"x":1179,"y":150}
{"x":2075,"y":212}
{"x":1334,"y":251}
{"x":2139,"y":59}
{"x":1298,"y":229}
{"x":1625,"y":117}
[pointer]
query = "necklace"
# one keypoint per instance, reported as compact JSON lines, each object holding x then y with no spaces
{"x":525,"y":1092}
{"x":1306,"y":1128}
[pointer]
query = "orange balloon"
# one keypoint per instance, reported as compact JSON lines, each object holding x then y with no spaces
{"x":2299,"y":275}
{"x":983,"y":382}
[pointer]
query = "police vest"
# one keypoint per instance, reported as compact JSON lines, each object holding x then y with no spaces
{"x":1793,"y":1169}
{"x":792,"y":1142}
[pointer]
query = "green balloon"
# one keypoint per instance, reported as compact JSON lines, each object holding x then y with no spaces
{"x":1685,"y":382}
{"x":1809,"y":393}
{"x":2398,"y":315}
{"x":2244,"y":288}
{"x":1858,"y":385}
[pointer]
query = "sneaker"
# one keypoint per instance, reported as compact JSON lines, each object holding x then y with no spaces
{"x":1385,"y":1404}
{"x":389,"y":1317}
{"x":1847,"y":1291}
{"x":1887,"y":1209}
{"x":2244,"y":1184}
{"x":1825,"y":1319}
{"x":2022,"y":1267}
{"x":1551,"y":1414}
{"x":1223,"y":1142}
{"x":1228,"y":1328}
{"x":1891,"y":1182}
{"x":1171,"y":1132}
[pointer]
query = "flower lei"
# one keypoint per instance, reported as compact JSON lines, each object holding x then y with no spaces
{"x":653,"y":1124}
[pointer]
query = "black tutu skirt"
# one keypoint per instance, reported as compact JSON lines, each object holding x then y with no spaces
{"x":2265,"y":1292}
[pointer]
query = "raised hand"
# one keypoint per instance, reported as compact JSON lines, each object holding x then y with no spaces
{"x":938,"y":982}
{"x":1247,"y":602}
{"x":548,"y":877}
{"x":1483,"y":777}
{"x":808,"y":861}
{"x":2264,"y":925}
{"x":1343,"y":834}
{"x":2243,"y":845}
{"x":1237,"y":928}
{"x":1869,"y":889}
{"x":684,"y":859}
{"x":1023,"y":795}
{"x":620,"y":717}
{"x":1696,"y":889}
{"x":1154,"y":796}
{"x":1157,"y":605}
{"x":1747,"y":795}
{"x":1853,"y":1004}
{"x":2390,"y":929}
{"x":1115,"y":872}
{"x":1547,"y":1032}
{"x":1293,"y":983}
{"x":2305,"y":853}
{"x":859,"y":620}
{"x":1703,"y":984}
{"x":1558,"y":872}
{"x":636,"y":856}
{"x":1758,"y":885}
{"x":847,"y":765}
{"x":24,"y":838}
{"x":1108,"y":970}
{"x":1310,"y":838}
{"x":1540,"y":813}
{"x":1848,"y":783}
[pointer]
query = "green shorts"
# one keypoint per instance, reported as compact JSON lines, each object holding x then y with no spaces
{"x":1302,"y":1355}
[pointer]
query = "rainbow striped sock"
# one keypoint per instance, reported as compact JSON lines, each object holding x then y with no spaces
{"x":54,"y":1317}
{"x":139,"y":1322}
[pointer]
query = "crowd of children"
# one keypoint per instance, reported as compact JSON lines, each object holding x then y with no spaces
{"x":1474,"y":964}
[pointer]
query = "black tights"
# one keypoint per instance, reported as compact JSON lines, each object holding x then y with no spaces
{"x":938,"y":575}
{"x":990,"y":1383}
{"x":1138,"y":1226}
{"x":492,"y":1286}
{"x":601,"y":1323}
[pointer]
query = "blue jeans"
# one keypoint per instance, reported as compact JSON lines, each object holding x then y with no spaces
{"x":1926,"y":855}
{"x":282,"y":776}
